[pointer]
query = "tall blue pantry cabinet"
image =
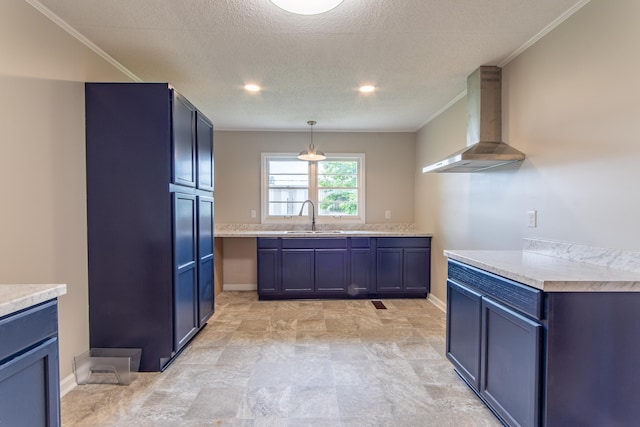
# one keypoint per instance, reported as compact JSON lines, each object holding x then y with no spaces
{"x":149,"y":217}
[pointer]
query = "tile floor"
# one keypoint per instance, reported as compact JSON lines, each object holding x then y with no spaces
{"x":296,"y":363}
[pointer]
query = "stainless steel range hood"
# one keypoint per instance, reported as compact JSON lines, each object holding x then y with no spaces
{"x":485,"y":148}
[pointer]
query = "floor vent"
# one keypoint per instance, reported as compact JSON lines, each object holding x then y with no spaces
{"x":379,"y":305}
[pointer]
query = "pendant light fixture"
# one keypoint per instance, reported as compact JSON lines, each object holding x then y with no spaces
{"x":311,"y":155}
{"x":306,"y":7}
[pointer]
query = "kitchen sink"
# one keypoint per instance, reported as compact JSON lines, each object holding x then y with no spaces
{"x":315,"y":232}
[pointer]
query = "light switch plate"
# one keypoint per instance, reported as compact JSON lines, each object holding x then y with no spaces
{"x":532,"y":219}
{"x":387,"y":214}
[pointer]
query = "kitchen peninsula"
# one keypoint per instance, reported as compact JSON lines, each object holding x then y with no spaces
{"x":549,"y":335}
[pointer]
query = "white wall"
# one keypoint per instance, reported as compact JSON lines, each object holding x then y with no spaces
{"x":570,"y":103}
{"x":43,"y":232}
{"x":389,"y":182}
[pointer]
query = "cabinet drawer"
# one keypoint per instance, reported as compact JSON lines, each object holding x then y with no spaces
{"x":516,"y":295}
{"x":268,"y":242}
{"x":27,"y":328}
{"x":404,"y":242}
{"x":314,"y":243}
{"x":360,"y":242}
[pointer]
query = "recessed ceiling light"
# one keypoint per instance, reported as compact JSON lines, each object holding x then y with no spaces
{"x":306,"y":7}
{"x":252,"y":87}
{"x":367,"y":89}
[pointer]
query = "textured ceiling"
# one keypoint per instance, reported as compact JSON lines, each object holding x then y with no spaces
{"x":417,"y":53}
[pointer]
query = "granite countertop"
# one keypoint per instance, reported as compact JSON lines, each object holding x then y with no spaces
{"x":550,"y":273}
{"x":18,"y":297}
{"x":257,"y":230}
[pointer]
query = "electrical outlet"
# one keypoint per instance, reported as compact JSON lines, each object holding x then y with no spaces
{"x":532,"y":219}
{"x":387,"y":214}
{"x":253,"y":213}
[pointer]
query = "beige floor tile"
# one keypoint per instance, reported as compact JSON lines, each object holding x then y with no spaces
{"x":295,"y":364}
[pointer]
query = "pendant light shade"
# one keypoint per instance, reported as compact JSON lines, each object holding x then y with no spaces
{"x":307,"y":7}
{"x":311,"y":155}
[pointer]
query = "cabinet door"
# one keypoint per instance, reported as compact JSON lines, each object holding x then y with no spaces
{"x":185,"y":292}
{"x":510,"y":360}
{"x":268,"y":271}
{"x":389,"y":269}
{"x":184,"y":150}
{"x":29,"y":387}
{"x":463,"y":331}
{"x":360,"y":271}
{"x":331,"y":270}
{"x":297,"y":270}
{"x":205,"y":259}
{"x":204,"y":144}
{"x":416,"y":266}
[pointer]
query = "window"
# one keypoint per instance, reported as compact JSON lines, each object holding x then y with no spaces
{"x":335,"y":186}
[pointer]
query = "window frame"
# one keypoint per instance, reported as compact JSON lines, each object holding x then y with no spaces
{"x":313,"y":191}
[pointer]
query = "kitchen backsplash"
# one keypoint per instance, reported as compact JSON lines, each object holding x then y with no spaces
{"x":613,"y":258}
{"x":399,"y":227}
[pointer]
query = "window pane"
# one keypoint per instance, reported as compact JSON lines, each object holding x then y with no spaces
{"x":285,"y":195}
{"x":338,"y":202}
{"x":284,"y":208}
{"x":288,"y":180}
{"x":288,"y":166}
{"x":338,"y":174}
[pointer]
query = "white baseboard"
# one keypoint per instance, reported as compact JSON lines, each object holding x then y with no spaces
{"x":438,"y":303}
{"x":67,"y":384}
{"x":239,"y":287}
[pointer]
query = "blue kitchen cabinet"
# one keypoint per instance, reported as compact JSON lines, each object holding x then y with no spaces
{"x":205,"y":259}
{"x":362,"y":266}
{"x":544,"y":358}
{"x":493,"y":338}
{"x":344,"y":267}
{"x":185,"y":298}
{"x":150,"y":219}
{"x":204,"y":151}
{"x":464,"y":317}
{"x":331,"y":270}
{"x":298,"y":266}
{"x":403,"y":265}
{"x":184,"y":141}
{"x":269,"y":268}
{"x":29,"y":367}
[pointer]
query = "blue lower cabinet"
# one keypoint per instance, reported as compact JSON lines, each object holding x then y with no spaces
{"x":345,"y":267}
{"x":268,"y":271}
{"x":403,"y":265}
{"x":464,"y":311}
{"x":297,"y":271}
{"x":360,"y":265}
{"x":510,"y":360}
{"x":331,"y":270}
{"x":29,"y":372}
{"x":545,"y":358}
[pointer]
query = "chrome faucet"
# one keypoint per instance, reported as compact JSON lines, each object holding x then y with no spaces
{"x":313,"y":213}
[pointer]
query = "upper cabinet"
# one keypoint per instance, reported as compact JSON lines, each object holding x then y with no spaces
{"x":204,"y":146}
{"x":184,"y":142}
{"x":192,"y":146}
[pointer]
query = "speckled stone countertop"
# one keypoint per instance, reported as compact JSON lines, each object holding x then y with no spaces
{"x":18,"y":297}
{"x":322,"y":230}
{"x":552,"y":273}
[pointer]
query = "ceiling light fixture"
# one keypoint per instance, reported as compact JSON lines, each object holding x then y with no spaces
{"x":367,"y":89}
{"x":306,"y":7}
{"x":311,"y":155}
{"x":252,"y":87}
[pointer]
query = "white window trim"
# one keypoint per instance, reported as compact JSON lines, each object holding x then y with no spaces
{"x":313,"y":193}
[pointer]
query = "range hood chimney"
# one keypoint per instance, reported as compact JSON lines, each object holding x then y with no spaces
{"x":485,"y":148}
